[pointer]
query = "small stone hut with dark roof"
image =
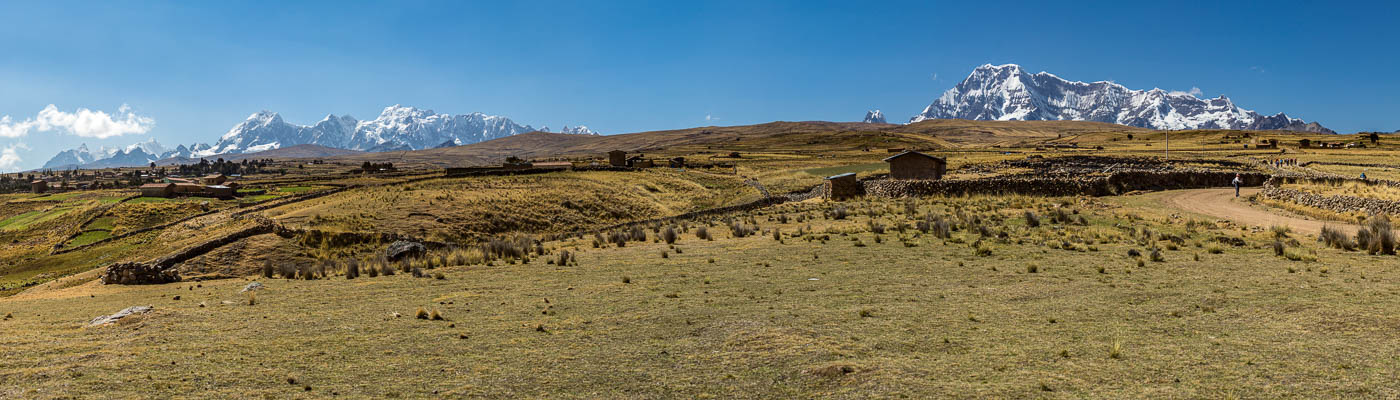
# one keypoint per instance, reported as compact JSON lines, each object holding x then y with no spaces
{"x":842,"y":186}
{"x":916,"y":165}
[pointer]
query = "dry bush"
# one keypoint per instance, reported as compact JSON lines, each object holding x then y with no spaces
{"x":1332,"y":237}
{"x":669,"y":235}
{"x":839,"y":212}
{"x":1376,"y":235}
{"x":352,"y":269}
{"x":740,"y":230}
{"x":702,"y":233}
{"x":1032,"y":220}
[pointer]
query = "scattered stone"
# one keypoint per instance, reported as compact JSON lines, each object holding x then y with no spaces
{"x":404,"y":249}
{"x":129,"y":311}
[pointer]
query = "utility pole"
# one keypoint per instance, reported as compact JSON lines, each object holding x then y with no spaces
{"x":1167,"y":147}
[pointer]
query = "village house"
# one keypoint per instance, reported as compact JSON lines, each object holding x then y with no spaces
{"x":39,"y":186}
{"x":219,"y":191}
{"x":678,"y":162}
{"x":215,"y":179}
{"x":916,"y":165}
{"x":158,"y":190}
{"x":617,"y":158}
{"x":188,"y":189}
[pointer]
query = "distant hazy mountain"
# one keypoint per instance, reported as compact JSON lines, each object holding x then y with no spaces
{"x":397,"y":128}
{"x":874,"y":117}
{"x":1006,"y":92}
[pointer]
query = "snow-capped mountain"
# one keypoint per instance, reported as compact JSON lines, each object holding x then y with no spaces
{"x":133,"y":155}
{"x":396,"y":128}
{"x":874,"y":117}
{"x":578,"y":130}
{"x":1007,"y":92}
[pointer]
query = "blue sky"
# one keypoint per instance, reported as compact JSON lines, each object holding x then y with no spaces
{"x":190,"y":70}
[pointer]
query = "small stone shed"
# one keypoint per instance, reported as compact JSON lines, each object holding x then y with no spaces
{"x":842,"y":186}
{"x":678,"y":162}
{"x":915,"y":165}
{"x":39,"y":186}
{"x":158,"y":190}
{"x":617,"y":158}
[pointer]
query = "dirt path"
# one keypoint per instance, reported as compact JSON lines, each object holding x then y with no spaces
{"x":1221,"y":203}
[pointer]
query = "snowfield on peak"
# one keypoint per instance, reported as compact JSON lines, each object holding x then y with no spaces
{"x":1007,"y":93}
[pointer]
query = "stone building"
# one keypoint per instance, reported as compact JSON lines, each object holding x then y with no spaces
{"x":842,"y":186}
{"x":617,"y":158}
{"x":39,"y":186}
{"x":158,"y":190}
{"x":916,"y":165}
{"x":215,"y":179}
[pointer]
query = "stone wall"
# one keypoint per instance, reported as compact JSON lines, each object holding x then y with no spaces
{"x":1334,"y":203}
{"x":1112,"y":184}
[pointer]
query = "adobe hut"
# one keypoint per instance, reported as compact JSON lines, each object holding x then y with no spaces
{"x":39,"y":186}
{"x":916,"y":165}
{"x":678,"y":162}
{"x":215,"y":179}
{"x":617,"y":158}
{"x":158,"y":190}
{"x":220,"y":191}
{"x":188,"y":189}
{"x":841,"y":186}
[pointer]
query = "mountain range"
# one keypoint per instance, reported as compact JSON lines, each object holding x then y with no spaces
{"x":397,"y":128}
{"x":1009,"y":93}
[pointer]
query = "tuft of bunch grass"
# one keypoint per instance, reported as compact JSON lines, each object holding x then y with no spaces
{"x":1376,"y":235}
{"x":421,"y":314}
{"x":1333,"y":237}
{"x":1031,"y":220}
{"x":669,"y":235}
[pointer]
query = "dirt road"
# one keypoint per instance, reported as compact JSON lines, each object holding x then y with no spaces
{"x":1221,"y":203}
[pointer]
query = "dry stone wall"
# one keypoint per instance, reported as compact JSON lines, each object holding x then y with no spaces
{"x":1112,"y":184}
{"x":1335,"y":203}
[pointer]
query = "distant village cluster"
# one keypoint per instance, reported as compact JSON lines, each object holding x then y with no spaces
{"x":199,"y":174}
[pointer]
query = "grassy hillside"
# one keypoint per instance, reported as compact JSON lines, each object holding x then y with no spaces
{"x":850,"y":308}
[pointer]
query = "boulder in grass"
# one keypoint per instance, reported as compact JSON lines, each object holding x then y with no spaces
{"x":129,"y":311}
{"x":404,"y":249}
{"x":251,"y":287}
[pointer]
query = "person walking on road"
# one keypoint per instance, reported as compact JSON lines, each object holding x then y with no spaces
{"x":1237,"y":182}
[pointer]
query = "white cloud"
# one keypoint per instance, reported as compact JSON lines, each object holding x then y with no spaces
{"x":9,"y":157}
{"x":83,"y":123}
{"x":1195,"y":91}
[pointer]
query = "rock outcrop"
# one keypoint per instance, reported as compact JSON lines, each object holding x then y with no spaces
{"x":404,"y":249}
